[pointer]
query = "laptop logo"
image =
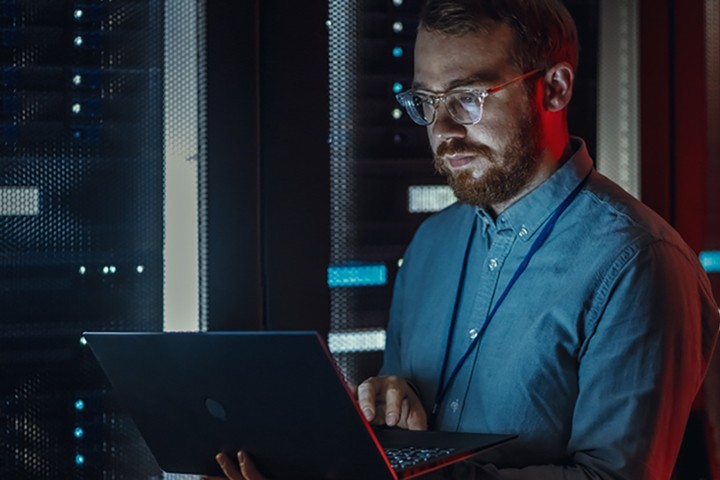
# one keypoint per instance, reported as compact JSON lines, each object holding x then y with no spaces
{"x":215,"y":409}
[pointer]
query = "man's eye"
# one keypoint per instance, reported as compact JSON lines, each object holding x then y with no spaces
{"x":467,"y":99}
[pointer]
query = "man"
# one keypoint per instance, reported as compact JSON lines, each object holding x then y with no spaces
{"x":596,"y":352}
{"x":547,"y":302}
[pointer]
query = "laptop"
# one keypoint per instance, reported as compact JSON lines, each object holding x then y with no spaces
{"x":279,"y":396}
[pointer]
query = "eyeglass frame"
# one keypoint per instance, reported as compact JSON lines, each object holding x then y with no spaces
{"x":404,"y":98}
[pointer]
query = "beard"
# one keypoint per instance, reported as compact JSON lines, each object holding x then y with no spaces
{"x":509,"y":170}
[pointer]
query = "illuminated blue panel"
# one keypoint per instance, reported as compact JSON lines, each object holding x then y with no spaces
{"x":357,"y":275}
{"x":710,"y":261}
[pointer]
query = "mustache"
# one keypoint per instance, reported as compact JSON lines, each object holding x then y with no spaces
{"x":456,"y":146}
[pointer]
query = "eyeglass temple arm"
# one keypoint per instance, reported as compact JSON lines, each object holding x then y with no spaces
{"x":513,"y":80}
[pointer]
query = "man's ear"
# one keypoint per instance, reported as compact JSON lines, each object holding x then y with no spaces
{"x":558,"y":86}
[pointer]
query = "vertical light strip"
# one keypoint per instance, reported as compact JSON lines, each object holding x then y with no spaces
{"x":181,"y":282}
{"x":618,"y":148}
{"x":712,"y":72}
{"x":202,"y":185}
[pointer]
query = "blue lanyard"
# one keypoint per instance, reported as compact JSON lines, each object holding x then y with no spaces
{"x":444,"y":386}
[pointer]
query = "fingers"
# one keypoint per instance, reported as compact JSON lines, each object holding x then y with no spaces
{"x":247,"y":468}
{"x":416,"y":417}
{"x":247,"y":471}
{"x":228,"y":467}
{"x":391,"y":401}
{"x":366,"y":398}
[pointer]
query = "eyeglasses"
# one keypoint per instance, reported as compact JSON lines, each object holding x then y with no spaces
{"x":464,"y":104}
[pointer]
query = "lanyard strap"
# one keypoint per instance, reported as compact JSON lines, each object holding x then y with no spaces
{"x":444,"y":386}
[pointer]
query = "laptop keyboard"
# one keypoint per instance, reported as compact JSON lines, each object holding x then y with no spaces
{"x":406,"y":457}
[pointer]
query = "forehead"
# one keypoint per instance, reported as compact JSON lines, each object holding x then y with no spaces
{"x":445,"y":61}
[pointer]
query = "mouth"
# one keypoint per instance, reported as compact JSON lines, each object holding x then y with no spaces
{"x":459,"y":160}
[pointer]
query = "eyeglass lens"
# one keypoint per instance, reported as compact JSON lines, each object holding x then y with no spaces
{"x":464,"y":107}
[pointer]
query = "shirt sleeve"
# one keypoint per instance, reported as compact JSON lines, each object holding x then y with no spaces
{"x":652,"y":327}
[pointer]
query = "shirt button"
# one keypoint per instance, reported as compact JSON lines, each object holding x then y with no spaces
{"x":493,"y":264}
{"x":523,"y":232}
{"x":455,"y":405}
{"x":472,"y":333}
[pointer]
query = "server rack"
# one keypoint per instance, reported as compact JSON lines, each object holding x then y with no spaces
{"x":81,"y":226}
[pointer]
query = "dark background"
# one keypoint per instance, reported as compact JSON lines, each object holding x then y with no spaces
{"x":265,"y":155}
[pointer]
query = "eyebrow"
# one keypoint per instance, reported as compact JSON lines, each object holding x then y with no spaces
{"x":483,"y":78}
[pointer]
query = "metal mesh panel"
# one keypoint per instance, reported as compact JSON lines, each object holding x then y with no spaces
{"x":367,"y":212}
{"x":343,"y":31}
{"x":81,"y":171}
{"x":343,"y":58}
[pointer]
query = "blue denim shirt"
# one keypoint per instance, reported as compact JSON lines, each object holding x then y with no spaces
{"x":595,"y":356}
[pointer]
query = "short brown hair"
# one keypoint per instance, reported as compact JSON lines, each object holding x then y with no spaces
{"x":545,"y":32}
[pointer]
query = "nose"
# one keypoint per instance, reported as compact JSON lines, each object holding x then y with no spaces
{"x":444,"y":127}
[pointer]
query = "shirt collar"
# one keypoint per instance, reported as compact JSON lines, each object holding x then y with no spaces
{"x":529,"y":213}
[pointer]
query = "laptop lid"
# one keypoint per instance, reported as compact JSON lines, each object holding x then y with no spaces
{"x":276,"y":395}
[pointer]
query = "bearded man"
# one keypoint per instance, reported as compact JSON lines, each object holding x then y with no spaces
{"x":547,"y":302}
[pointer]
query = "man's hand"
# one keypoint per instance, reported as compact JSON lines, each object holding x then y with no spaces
{"x":391,"y":401}
{"x":247,"y":469}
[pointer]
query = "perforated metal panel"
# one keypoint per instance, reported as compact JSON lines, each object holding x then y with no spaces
{"x":81,"y":171}
{"x":363,"y":257}
{"x":343,"y":63}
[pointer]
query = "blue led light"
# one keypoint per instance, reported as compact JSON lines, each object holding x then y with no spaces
{"x":710,"y":261}
{"x":397,"y":52}
{"x":397,"y":87}
{"x":357,"y":275}
{"x":79,"y":405}
{"x":78,"y":432}
{"x":79,"y":459}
